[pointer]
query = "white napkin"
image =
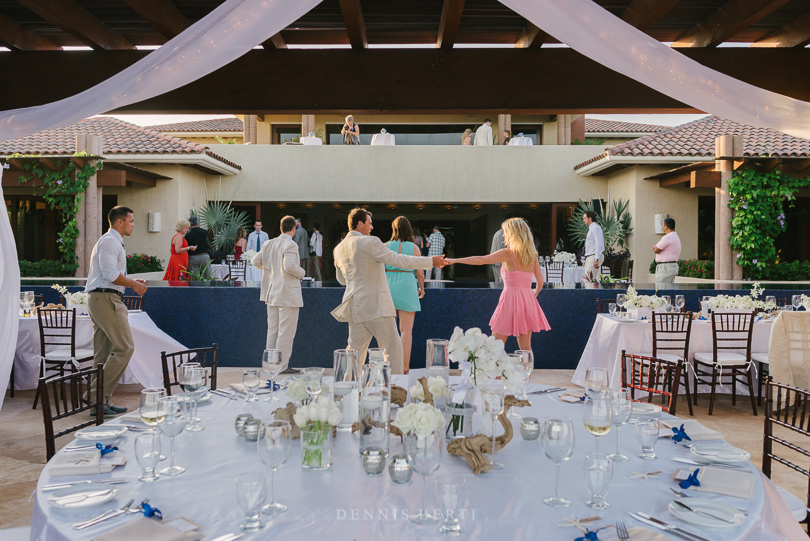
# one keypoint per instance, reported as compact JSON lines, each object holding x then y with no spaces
{"x":694,"y":429}
{"x":78,"y":464}
{"x":739,"y":484}
{"x":146,"y":528}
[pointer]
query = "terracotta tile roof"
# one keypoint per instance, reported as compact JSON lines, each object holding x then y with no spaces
{"x":594,"y":125}
{"x":215,"y":124}
{"x":697,"y":139}
{"x":120,"y":138}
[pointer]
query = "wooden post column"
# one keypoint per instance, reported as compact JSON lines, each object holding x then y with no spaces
{"x":89,"y":217}
{"x":727,"y":147}
{"x":307,"y":124}
{"x":563,"y":129}
{"x":504,"y":123}
{"x":249,"y":130}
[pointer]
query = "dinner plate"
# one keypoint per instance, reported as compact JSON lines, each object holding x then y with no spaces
{"x":101,"y":434}
{"x":645,"y":410}
{"x":81,"y":496}
{"x":718,"y":452}
{"x":708,"y":506}
{"x":183,"y":396}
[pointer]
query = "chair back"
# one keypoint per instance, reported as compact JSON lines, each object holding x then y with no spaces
{"x":237,"y":270}
{"x":602,"y":305}
{"x":57,"y":328}
{"x":62,"y":397}
{"x":653,"y":377}
{"x":554,"y":272}
{"x":207,"y":357}
{"x":671,"y":331}
{"x":782,"y":302}
{"x":133,"y":302}
{"x":38,"y":300}
{"x":732,"y":332}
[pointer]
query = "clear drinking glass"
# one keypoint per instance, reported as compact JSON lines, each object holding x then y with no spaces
{"x":647,"y":432}
{"x":274,"y":450}
{"x":620,"y":298}
{"x":598,"y":475}
{"x":273,"y":366}
{"x":172,"y":415}
{"x":527,"y":361}
{"x":251,"y":491}
{"x":147,"y":453}
{"x":23,"y":304}
{"x":667,"y":302}
{"x":557,"y":440}
{"x":346,"y":387}
{"x":150,"y":400}
{"x":515,"y":359}
{"x":597,"y":416}
{"x":313,"y":379}
{"x":194,"y":381}
{"x":376,"y":354}
{"x":251,"y":380}
{"x":771,"y":301}
{"x":796,"y":301}
{"x":680,"y":302}
{"x":596,"y":382}
{"x":450,"y":498}
{"x":425,"y":457}
{"x":622,"y":408}
{"x":437,"y":361}
{"x":493,"y":396}
{"x":612,"y":308}
{"x":789,"y":308}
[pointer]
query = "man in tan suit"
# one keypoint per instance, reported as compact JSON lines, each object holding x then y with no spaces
{"x":281,"y":287}
{"x":367,"y":307}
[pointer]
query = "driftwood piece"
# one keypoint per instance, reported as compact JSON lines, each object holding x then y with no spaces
{"x":286,"y":414}
{"x":366,"y":424}
{"x":473,"y":449}
{"x":398,"y":395}
{"x":428,"y":395}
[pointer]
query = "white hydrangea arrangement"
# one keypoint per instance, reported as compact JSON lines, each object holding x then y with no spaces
{"x":297,"y":391}
{"x":742,"y":302}
{"x":78,"y":298}
{"x":633,"y":300}
{"x":319,"y":415}
{"x":437,"y":387}
{"x":806,"y":302}
{"x":482,"y":357}
{"x":565,"y":257}
{"x":419,"y":419}
{"x":249,"y":255}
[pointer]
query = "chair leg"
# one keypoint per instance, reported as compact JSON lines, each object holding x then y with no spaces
{"x":11,"y":382}
{"x":688,"y":397}
{"x":714,"y":386}
{"x":41,"y":374}
{"x":695,"y":383}
{"x":751,"y":391}
{"x":733,"y":388}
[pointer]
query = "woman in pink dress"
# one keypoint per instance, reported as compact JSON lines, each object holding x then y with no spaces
{"x":518,"y":313}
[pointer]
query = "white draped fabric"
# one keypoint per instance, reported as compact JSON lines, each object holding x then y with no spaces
{"x":9,"y":298}
{"x":592,"y":31}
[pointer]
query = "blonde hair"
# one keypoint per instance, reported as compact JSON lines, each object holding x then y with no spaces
{"x":182,"y":224}
{"x":518,"y":237}
{"x":350,"y":118}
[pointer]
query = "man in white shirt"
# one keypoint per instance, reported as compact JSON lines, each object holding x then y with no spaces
{"x":301,"y":238}
{"x":316,"y":251}
{"x":257,"y":238}
{"x":281,"y":288}
{"x":113,"y":345}
{"x":483,"y":135}
{"x":594,"y":247}
{"x":367,"y":306}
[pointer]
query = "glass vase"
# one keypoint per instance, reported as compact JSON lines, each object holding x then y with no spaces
{"x":316,"y":448}
{"x":459,"y":418}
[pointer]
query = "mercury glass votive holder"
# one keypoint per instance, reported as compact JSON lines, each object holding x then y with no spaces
{"x":240,"y":421}
{"x":373,"y":461}
{"x":530,"y":428}
{"x":400,"y":471}
{"x":252,"y":430}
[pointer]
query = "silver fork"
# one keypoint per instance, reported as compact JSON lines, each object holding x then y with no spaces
{"x":104,"y":516}
{"x":621,"y":531}
{"x":682,"y":494}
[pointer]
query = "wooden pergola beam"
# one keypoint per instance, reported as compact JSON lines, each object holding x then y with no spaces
{"x":701,"y":178}
{"x":355,"y":27}
{"x":448,"y":27}
{"x":162,"y":15}
{"x":644,"y":13}
{"x":531,"y":37}
{"x":728,"y":21}
{"x":18,"y":37}
{"x":275,"y":42}
{"x":794,"y":34}
{"x":78,"y":22}
{"x":111,"y":178}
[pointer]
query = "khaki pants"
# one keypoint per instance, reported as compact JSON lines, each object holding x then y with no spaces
{"x":316,"y":267}
{"x":112,"y":338}
{"x":665,"y":273}
{"x":282,"y":322}
{"x":384,"y":329}
{"x":305,"y":266}
{"x":595,"y":274}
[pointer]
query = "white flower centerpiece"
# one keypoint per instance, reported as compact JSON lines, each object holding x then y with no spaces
{"x":297,"y":391}
{"x":76,"y":300}
{"x":316,"y":421}
{"x":437,"y":386}
{"x":249,"y":255}
{"x":419,"y":420}
{"x":641,"y":306}
{"x":741,"y":303}
{"x":566,"y":257}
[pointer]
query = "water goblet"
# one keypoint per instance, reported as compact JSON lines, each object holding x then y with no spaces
{"x":596,"y":382}
{"x":251,"y":380}
{"x":274,"y":450}
{"x":647,"y":433}
{"x":251,"y":491}
{"x":450,"y":496}
{"x":521,"y":385}
{"x":527,"y":361}
{"x":680,"y":302}
{"x":346,"y":386}
{"x":148,"y":409}
{"x":597,"y":416}
{"x":620,"y":299}
{"x":147,"y":453}
{"x":493,"y":397}
{"x":770,"y":301}
{"x":667,"y":302}
{"x":425,"y":455}
{"x":313,"y":379}
{"x":612,"y":308}
{"x":194,"y":381}
{"x":172,"y":415}
{"x":622,"y":408}
{"x":796,"y":301}
{"x":272,"y":364}
{"x":557,"y":441}
{"x":598,"y":475}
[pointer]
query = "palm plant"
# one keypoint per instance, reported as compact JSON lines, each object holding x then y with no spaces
{"x":221,"y":220}
{"x":616,"y":224}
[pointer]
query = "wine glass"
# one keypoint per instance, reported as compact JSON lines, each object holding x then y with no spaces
{"x":437,"y":361}
{"x":450,"y":495}
{"x":557,"y":440}
{"x":667,"y":302}
{"x":647,"y":433}
{"x":597,"y":416}
{"x":596,"y":381}
{"x":622,"y":408}
{"x":770,"y":301}
{"x":194,"y":381}
{"x":493,"y":396}
{"x":612,"y":308}
{"x":147,"y":453}
{"x":796,"y":302}
{"x":274,"y":450}
{"x":313,"y":379}
{"x":620,"y":299}
{"x":515,"y":359}
{"x":172,"y":414}
{"x":23,"y":305}
{"x":425,"y":457}
{"x":346,"y":385}
{"x":527,"y":361}
{"x":598,"y":474}
{"x":251,"y":491}
{"x":150,"y":399}
{"x":680,"y":302}
{"x":251,"y":380}
{"x":273,"y":365}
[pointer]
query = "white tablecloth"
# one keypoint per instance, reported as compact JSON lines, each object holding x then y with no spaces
{"x":609,"y":337}
{"x":520,"y":142}
{"x":384,"y":139}
{"x":343,"y":504}
{"x":252,"y":274}
{"x":571,"y":275}
{"x":311,"y":141}
{"x":144,"y":367}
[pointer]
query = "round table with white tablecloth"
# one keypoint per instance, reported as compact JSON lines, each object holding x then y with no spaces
{"x":383,"y":139}
{"x":252,"y":274}
{"x":520,"y":142}
{"x":314,"y":141}
{"x":144,"y":367}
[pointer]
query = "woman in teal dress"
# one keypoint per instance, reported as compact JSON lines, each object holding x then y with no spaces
{"x":406,"y":288}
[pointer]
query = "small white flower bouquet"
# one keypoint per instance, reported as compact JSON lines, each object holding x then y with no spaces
{"x":297,"y":391}
{"x":316,"y":420}
{"x":321,"y":414}
{"x":419,"y":419}
{"x":634,"y":300}
{"x":248,"y":256}
{"x":437,"y":387}
{"x":741,"y":302}
{"x":565,"y":257}
{"x":481,"y":357}
{"x":79,"y":298}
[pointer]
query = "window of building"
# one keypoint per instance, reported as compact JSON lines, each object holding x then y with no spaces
{"x":35,"y":227}
{"x":406,"y":134}
{"x":286,"y":134}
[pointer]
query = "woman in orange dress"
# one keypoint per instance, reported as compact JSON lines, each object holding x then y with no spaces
{"x":178,"y":262}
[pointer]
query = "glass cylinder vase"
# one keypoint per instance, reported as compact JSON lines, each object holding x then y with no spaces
{"x":375,"y":428}
{"x":316,"y":448}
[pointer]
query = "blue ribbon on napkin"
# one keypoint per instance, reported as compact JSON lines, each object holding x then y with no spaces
{"x":692,"y":480}
{"x":151,"y":512}
{"x":589,"y":536}
{"x":105,"y":449}
{"x":276,"y":386}
{"x":679,"y":434}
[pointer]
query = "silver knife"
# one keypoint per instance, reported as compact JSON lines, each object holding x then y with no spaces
{"x":702,"y":512}
{"x":77,"y":498}
{"x":49,"y":488}
{"x":677,"y":530}
{"x":228,"y":537}
{"x":660,"y":527}
{"x":544,"y":391}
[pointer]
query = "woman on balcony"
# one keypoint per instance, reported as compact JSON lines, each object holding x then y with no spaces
{"x":351,"y":132}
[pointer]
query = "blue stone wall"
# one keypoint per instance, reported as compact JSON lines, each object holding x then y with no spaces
{"x":232,"y":316}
